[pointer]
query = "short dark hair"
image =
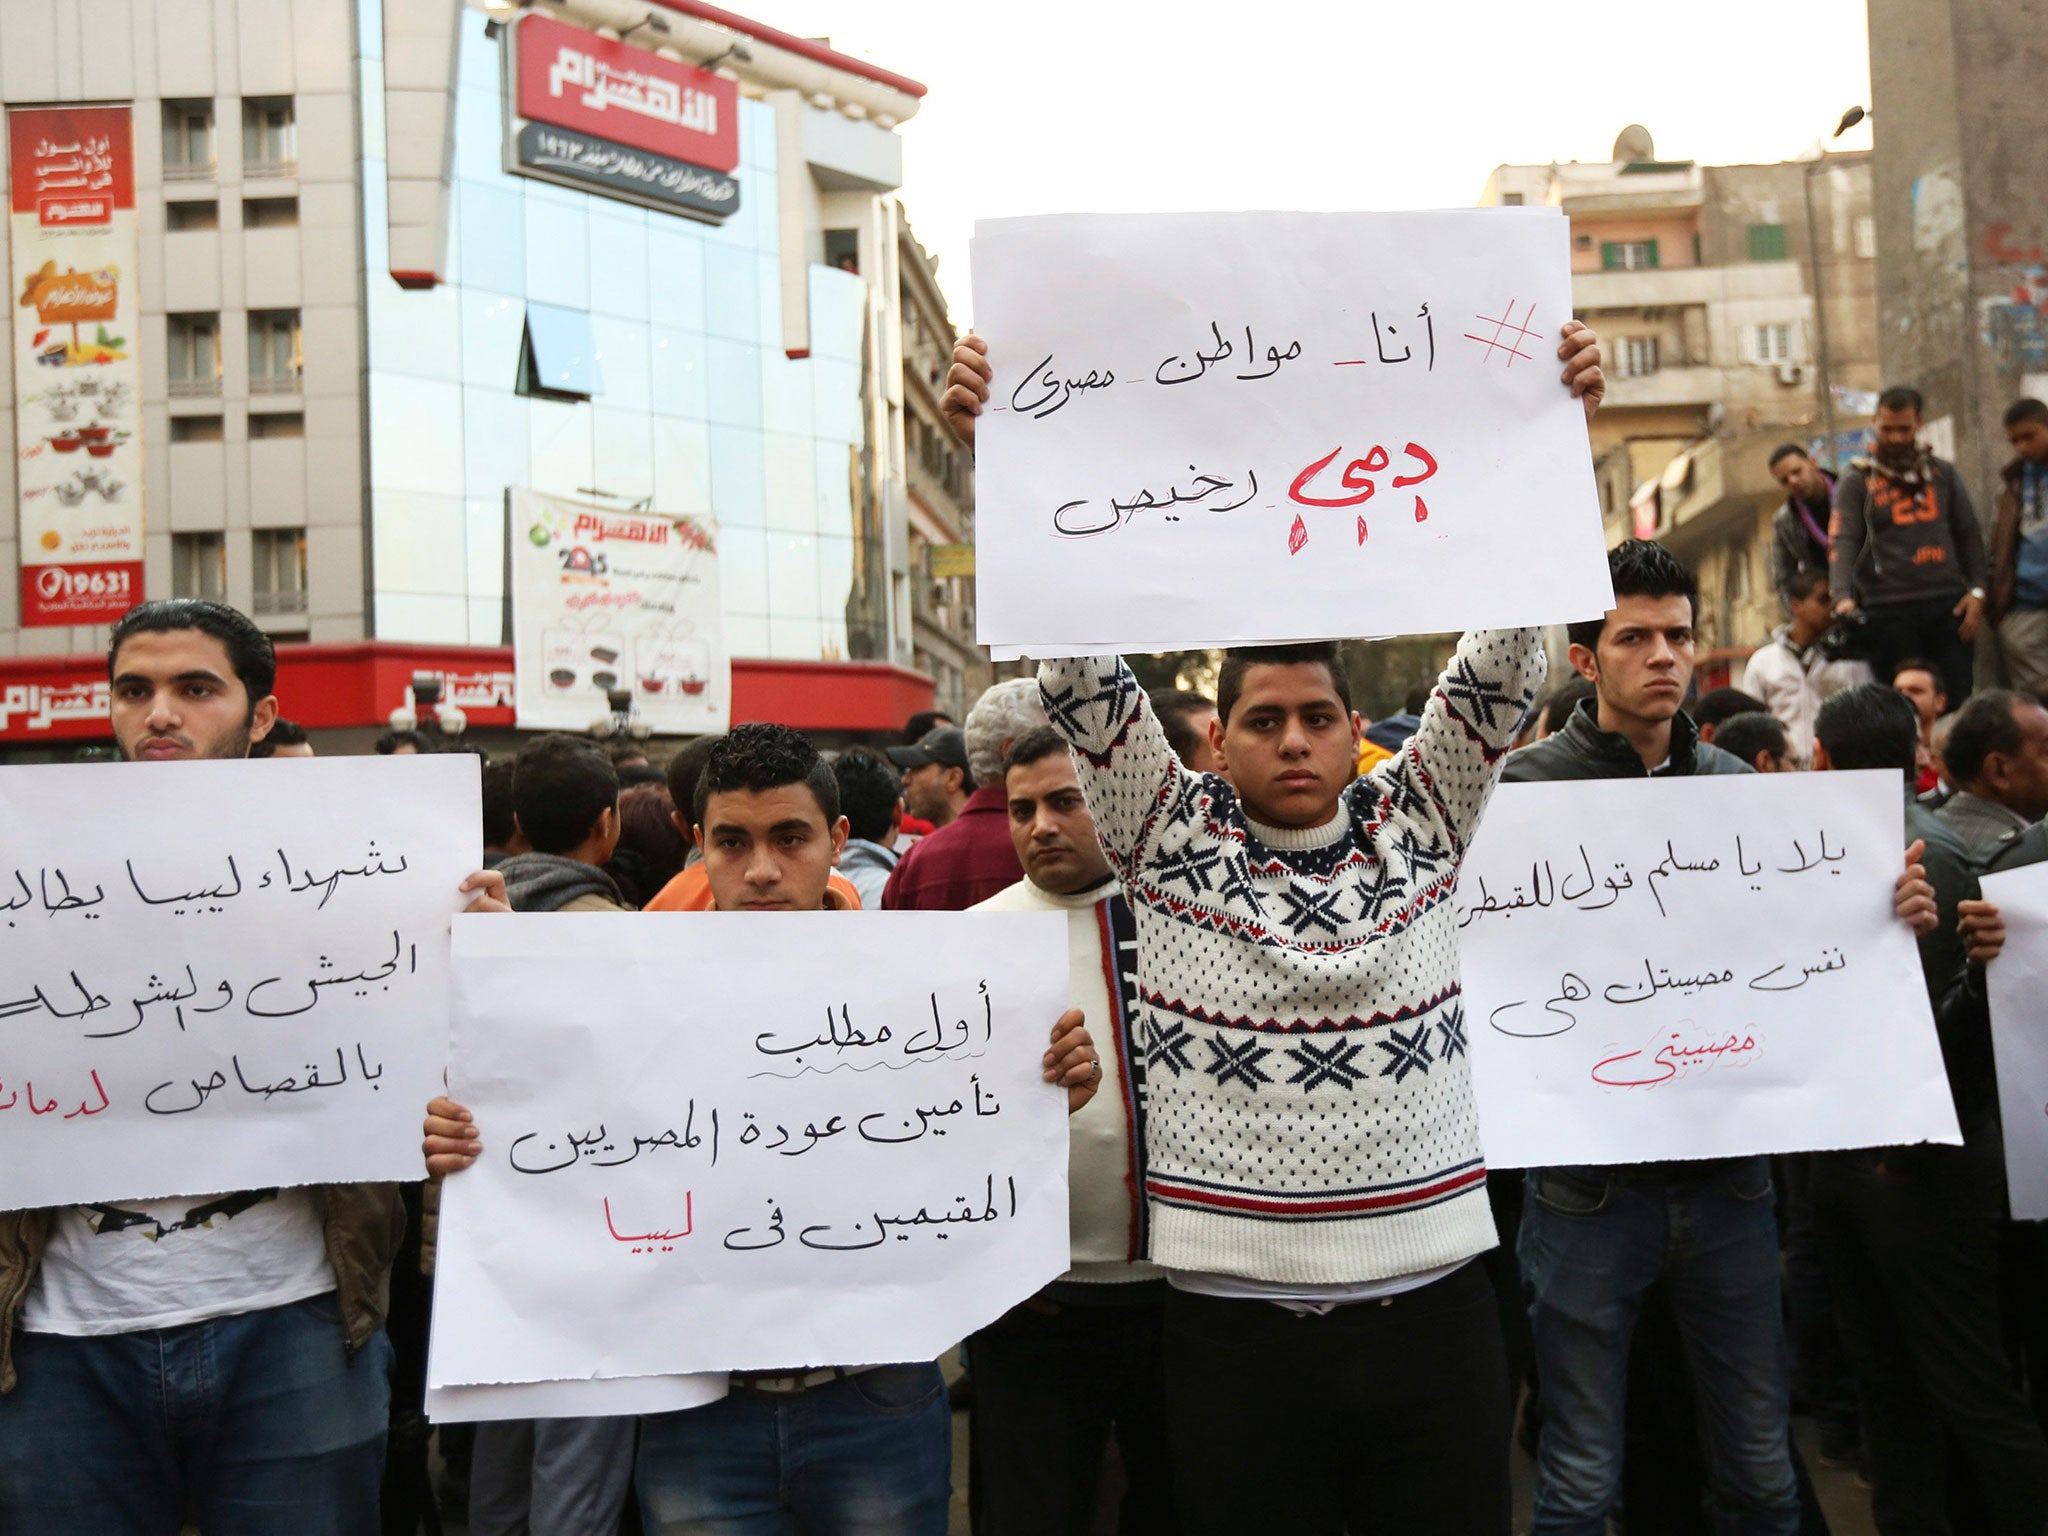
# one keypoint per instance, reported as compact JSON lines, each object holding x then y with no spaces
{"x":1041,"y":742}
{"x":391,"y":741}
{"x":922,"y":723}
{"x":1718,"y":704}
{"x":1801,"y":583}
{"x":685,"y":768}
{"x":250,"y":652}
{"x":640,"y":775}
{"x":1785,"y":451}
{"x":1751,"y":732}
{"x":561,"y":785}
{"x":282,"y":733}
{"x":1241,"y":659}
{"x":1981,"y":727}
{"x":1417,"y":699}
{"x":1640,"y":568}
{"x":759,"y":757}
{"x":2027,"y":409}
{"x":500,"y":820}
{"x":1176,"y":712}
{"x":1901,"y":397}
{"x":1921,"y":664}
{"x":1566,"y":697}
{"x":1869,"y":726}
{"x":651,"y":851}
{"x":870,"y":789}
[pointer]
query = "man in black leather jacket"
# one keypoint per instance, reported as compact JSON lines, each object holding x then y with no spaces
{"x":1594,"y":1239}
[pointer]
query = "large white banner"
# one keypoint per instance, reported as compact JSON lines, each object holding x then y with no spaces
{"x":224,"y":975}
{"x":735,"y":1142}
{"x":2018,"y":984}
{"x":77,"y":307}
{"x":1698,"y":967}
{"x":1331,"y":424}
{"x":603,"y":600}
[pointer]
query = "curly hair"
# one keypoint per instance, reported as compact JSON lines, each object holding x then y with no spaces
{"x":758,"y":757}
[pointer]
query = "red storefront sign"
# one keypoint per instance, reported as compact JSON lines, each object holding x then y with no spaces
{"x":626,"y":95}
{"x":328,"y":687}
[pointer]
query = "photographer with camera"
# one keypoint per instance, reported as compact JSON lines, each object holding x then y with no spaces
{"x":1807,"y":662}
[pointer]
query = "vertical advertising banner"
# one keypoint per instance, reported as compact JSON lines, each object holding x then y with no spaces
{"x":71,"y":235}
{"x":604,"y":601}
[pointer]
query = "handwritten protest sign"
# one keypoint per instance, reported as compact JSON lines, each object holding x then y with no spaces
{"x":731,"y":1143}
{"x":1700,"y":967}
{"x":2018,"y":981}
{"x":603,"y":1397}
{"x":1214,"y":429}
{"x":224,"y":975}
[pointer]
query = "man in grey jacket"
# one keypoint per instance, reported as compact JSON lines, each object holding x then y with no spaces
{"x":1906,"y":548}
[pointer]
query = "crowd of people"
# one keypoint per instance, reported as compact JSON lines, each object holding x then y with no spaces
{"x":1298,"y":1299}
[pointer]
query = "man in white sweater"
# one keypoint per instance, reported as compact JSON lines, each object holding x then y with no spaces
{"x":1313,"y":1165}
{"x":1055,"y":1376}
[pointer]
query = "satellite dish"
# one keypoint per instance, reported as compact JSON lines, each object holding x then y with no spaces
{"x":1632,"y":144}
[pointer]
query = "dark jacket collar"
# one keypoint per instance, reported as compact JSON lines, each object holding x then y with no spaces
{"x":1616,"y":754}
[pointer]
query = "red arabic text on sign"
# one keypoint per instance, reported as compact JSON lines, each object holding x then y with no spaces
{"x":627,"y":95}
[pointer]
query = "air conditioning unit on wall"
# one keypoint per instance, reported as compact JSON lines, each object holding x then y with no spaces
{"x":1790,"y":373}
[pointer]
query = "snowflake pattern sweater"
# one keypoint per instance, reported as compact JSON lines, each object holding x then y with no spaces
{"x":1309,"y":1110}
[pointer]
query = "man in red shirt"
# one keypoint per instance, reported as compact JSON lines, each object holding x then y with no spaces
{"x":970,"y":858}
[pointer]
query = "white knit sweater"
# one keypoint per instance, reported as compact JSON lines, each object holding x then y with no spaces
{"x":1309,"y":1111}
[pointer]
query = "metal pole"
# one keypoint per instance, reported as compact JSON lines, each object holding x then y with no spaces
{"x":1820,"y":316}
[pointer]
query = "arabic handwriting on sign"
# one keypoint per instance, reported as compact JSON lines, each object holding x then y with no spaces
{"x":1660,"y":979}
{"x":1674,"y":1058}
{"x":67,"y":902}
{"x":1056,"y":392}
{"x":878,"y":1229}
{"x":755,"y":1241}
{"x":363,"y":980}
{"x":49,"y":1105}
{"x":1357,"y":482}
{"x":1082,"y":520}
{"x":1814,"y":861}
{"x":189,"y":901}
{"x":653,"y":1241}
{"x":601,"y":1149}
{"x":1178,"y":370}
{"x":1779,"y":977}
{"x":308,"y":880}
{"x":1571,"y":988}
{"x":840,"y":1034}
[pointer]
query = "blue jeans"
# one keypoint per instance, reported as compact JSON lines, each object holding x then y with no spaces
{"x":869,"y":1455}
{"x":1590,"y":1246}
{"x":244,"y":1426}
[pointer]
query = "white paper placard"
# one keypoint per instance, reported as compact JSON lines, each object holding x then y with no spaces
{"x":1353,"y":423}
{"x":2018,"y":983}
{"x":747,"y":1142}
{"x":224,"y":975}
{"x":1695,"y":967}
{"x":604,"y":1398}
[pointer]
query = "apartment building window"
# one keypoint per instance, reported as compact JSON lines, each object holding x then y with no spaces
{"x":1767,"y":242}
{"x":193,"y":355}
{"x":270,"y":213}
{"x":280,"y":570}
{"x":1511,"y":199}
{"x":1866,"y":238}
{"x":270,"y":137}
{"x":1627,"y":255}
{"x":197,"y":215}
{"x":199,"y":565}
{"x":1771,"y":343}
{"x":1638,"y":356}
{"x":275,"y":361}
{"x":188,"y":141}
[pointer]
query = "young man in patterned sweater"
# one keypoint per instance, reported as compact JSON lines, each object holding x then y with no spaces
{"x":1314,"y":1172}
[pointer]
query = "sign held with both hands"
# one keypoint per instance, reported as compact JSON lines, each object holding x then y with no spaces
{"x":1353,"y":422}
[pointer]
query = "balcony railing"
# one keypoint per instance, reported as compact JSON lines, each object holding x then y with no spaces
{"x":269,"y":170}
{"x":193,"y":171}
{"x":270,"y":604}
{"x":274,"y":384}
{"x":194,"y":389}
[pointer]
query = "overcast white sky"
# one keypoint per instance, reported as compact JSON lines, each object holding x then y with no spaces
{"x":1143,"y":105}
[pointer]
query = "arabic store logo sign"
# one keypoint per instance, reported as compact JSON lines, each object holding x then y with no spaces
{"x":627,"y":95}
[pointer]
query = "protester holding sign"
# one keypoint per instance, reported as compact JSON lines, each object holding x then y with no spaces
{"x":257,"y":1314}
{"x":1911,"y":1234}
{"x":1315,"y":1203}
{"x":837,"y":1444}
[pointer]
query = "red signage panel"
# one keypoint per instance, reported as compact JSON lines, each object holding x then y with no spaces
{"x":627,"y":95}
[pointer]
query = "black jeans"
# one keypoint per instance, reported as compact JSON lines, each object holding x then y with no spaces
{"x":1383,"y":1418}
{"x":1054,"y":1378}
{"x":1924,"y":628}
{"x":1911,"y":1239}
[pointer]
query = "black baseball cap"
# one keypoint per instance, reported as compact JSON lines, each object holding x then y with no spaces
{"x":944,"y":744}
